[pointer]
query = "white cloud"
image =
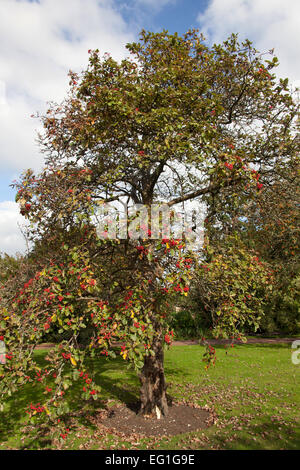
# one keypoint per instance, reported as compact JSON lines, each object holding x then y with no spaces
{"x":268,"y":23}
{"x":18,"y":132}
{"x":11,"y":222}
{"x":39,"y":43}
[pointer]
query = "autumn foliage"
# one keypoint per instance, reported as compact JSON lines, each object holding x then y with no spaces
{"x":177,"y":121}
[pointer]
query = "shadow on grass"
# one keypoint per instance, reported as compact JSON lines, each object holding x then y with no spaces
{"x":264,"y":436}
{"x":120,"y":383}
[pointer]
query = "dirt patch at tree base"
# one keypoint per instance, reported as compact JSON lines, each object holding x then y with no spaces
{"x":182,"y":418}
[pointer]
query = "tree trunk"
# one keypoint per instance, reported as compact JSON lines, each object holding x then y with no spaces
{"x":153,"y":384}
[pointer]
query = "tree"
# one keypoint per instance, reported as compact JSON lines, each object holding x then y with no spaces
{"x":8,"y":266}
{"x":175,"y":122}
{"x":232,"y":284}
{"x":273,"y":226}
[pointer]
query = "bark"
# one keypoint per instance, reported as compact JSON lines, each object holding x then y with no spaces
{"x":153,"y":384}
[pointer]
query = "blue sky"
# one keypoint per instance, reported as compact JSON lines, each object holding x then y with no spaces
{"x":40,"y":40}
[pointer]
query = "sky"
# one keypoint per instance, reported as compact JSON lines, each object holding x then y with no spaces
{"x":41,"y":40}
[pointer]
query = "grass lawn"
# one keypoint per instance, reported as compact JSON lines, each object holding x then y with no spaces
{"x":253,"y":389}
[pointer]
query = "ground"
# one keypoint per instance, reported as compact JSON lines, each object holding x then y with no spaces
{"x":183,"y":417}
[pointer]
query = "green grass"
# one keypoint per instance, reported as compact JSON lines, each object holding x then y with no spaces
{"x":253,"y":390}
